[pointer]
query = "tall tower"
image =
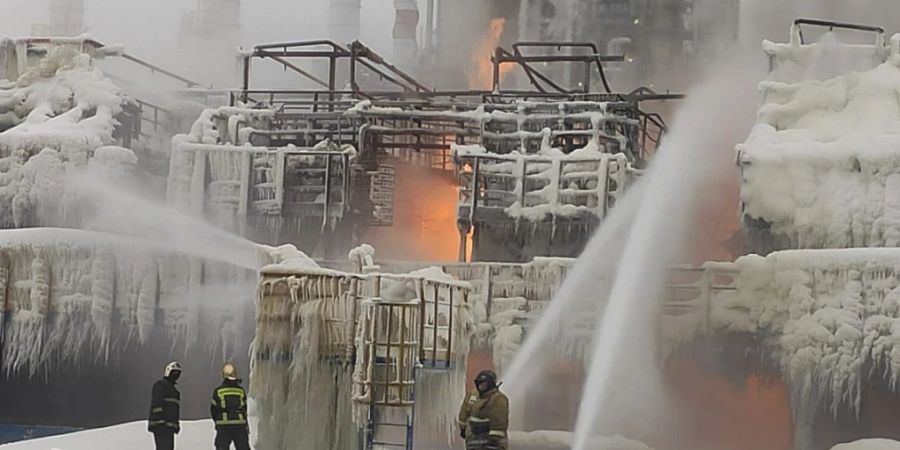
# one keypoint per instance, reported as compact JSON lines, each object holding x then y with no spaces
{"x":210,"y":37}
{"x":66,"y":17}
{"x":405,"y":23}
{"x":343,"y":20}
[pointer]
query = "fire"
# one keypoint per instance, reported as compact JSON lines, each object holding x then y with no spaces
{"x":481,"y":71}
{"x":424,"y":227}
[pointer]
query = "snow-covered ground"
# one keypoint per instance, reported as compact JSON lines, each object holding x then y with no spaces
{"x":200,"y":434}
{"x":870,"y":444}
{"x":197,"y":434}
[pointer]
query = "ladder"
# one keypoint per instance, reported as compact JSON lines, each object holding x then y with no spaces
{"x":400,"y":339}
{"x":384,"y":432}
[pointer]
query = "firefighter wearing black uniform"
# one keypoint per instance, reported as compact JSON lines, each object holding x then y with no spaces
{"x":165,"y":409}
{"x":229,"y":412}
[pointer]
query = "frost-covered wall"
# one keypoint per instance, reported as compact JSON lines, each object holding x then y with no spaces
{"x":821,"y":168}
{"x":71,"y":297}
{"x":504,"y":298}
{"x":319,"y":327}
{"x":828,"y":319}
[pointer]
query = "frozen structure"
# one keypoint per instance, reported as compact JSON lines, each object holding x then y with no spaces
{"x":345,"y":360}
{"x":319,"y":167}
{"x":818,"y":183}
{"x":60,"y":113}
{"x":78,"y":133}
{"x":819,"y":166}
{"x":71,"y":297}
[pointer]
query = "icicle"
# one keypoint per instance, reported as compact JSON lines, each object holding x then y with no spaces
{"x":102,"y":292}
{"x":146,"y":276}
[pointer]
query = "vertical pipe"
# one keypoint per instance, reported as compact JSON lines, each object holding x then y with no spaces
{"x":428,"y":34}
{"x":353,"y":53}
{"x":586,"y":88}
{"x":246,"y":78}
{"x":496,"y":60}
{"x":434,"y":343}
{"x":401,"y":362}
{"x":387,"y":354}
{"x":421,"y":337}
{"x":244,"y":193}
{"x":450,"y":328}
{"x":326,"y":211}
{"x":332,"y":75}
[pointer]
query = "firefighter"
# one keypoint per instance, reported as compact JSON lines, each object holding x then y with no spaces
{"x":484,"y":415}
{"x":229,"y":411}
{"x":165,"y":408}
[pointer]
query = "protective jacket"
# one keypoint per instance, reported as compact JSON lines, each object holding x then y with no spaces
{"x":229,"y":405}
{"x":485,"y":420}
{"x":165,"y":407}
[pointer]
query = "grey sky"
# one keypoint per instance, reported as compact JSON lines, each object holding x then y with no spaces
{"x":149,"y":28}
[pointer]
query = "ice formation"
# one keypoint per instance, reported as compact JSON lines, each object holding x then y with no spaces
{"x":548,"y":183}
{"x":820,"y":168}
{"x":829,"y":317}
{"x":217,"y":168}
{"x":77,"y":296}
{"x":58,"y":115}
{"x":317,"y":327}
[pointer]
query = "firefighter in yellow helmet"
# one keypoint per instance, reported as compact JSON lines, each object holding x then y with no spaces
{"x":484,"y":415}
{"x":229,"y":412}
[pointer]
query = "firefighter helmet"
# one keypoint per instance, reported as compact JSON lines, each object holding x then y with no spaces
{"x":488,"y":377}
{"x":229,"y":372}
{"x":172,"y":367}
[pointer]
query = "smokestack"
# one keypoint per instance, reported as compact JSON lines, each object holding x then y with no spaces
{"x":343,"y":20}
{"x":220,"y":15}
{"x":405,"y":23}
{"x":66,"y":17}
{"x":209,"y":37}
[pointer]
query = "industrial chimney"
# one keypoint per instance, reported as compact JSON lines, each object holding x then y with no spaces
{"x":210,"y":37}
{"x":66,"y":17}
{"x":343,"y":20}
{"x":406,"y":21}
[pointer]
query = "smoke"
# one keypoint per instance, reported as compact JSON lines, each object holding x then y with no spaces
{"x":771,"y":19}
{"x":150,"y":30}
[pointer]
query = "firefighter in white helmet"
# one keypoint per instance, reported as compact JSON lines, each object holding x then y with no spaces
{"x":165,"y":408}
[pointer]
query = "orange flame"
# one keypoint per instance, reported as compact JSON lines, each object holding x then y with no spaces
{"x":481,"y":71}
{"x":425,"y":203}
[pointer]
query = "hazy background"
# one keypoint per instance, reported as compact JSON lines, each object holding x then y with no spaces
{"x":149,"y":29}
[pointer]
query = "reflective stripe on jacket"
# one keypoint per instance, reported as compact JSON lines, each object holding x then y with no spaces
{"x":229,"y":404}
{"x":492,"y":410}
{"x":165,"y":406}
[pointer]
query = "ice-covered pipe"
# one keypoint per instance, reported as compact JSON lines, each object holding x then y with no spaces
{"x":343,"y":20}
{"x":66,"y":17}
{"x":406,"y":20}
